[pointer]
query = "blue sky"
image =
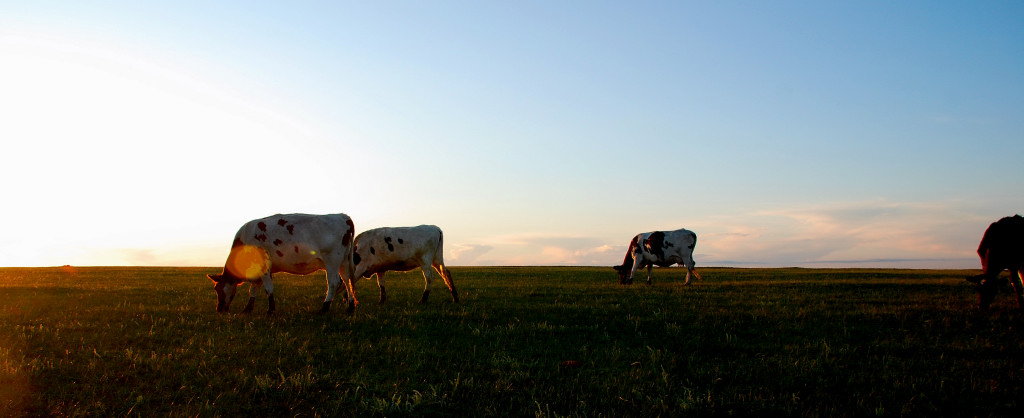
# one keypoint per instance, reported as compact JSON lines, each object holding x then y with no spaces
{"x":783,"y":133}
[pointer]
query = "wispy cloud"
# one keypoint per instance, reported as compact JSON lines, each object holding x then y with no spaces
{"x":862,"y":233}
{"x":466,"y":254}
{"x":846,"y":233}
{"x":536,"y":248}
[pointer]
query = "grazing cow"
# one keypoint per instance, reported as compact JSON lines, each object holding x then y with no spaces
{"x":661,"y":248}
{"x":296,"y":243}
{"x":1001,"y":248}
{"x":402,"y":249}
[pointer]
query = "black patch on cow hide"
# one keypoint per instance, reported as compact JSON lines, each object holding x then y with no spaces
{"x":279,"y":253}
{"x":356,"y":258}
{"x":347,"y":238}
{"x":278,"y":242}
{"x":296,"y":249}
{"x":372,"y":251}
{"x":262,"y":226}
{"x":387,"y":240}
{"x":282,"y":222}
{"x":655,"y":244}
{"x":261,"y":237}
{"x":400,"y":241}
{"x":291,"y":229}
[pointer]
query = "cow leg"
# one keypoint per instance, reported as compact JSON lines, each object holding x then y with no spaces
{"x":632,"y":273}
{"x":447,"y":276}
{"x":268,"y":285}
{"x":333,"y":282}
{"x":348,"y":279}
{"x":253,"y":289}
{"x":690,"y":268}
{"x":383,"y":291}
{"x":1017,"y":282}
{"x":428,"y":276}
{"x":649,"y":268}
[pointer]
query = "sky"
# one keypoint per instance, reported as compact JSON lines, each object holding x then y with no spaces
{"x":789,"y":133}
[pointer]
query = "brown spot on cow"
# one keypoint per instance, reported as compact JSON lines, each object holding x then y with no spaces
{"x":282,"y":222}
{"x":291,"y":229}
{"x":278,"y":242}
{"x":280,"y":254}
{"x":262,"y":226}
{"x":296,"y":249}
{"x":655,"y":244}
{"x":347,"y":238}
{"x":261,"y":237}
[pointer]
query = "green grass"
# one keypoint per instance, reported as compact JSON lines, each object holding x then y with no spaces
{"x":527,"y":341}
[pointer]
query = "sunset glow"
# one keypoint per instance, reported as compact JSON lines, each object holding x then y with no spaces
{"x":796,"y":134}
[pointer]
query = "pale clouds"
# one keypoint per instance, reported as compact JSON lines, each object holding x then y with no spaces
{"x":535,"y":249}
{"x":877,"y":232}
{"x":874,"y":233}
{"x":466,"y":254}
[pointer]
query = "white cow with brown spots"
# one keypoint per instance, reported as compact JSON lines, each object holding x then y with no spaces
{"x":403,"y":249}
{"x":295,"y":243}
{"x":661,"y":248}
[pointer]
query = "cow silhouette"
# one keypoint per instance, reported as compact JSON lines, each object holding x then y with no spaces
{"x":1001,"y":248}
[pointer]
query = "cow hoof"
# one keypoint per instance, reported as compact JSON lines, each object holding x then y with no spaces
{"x":423,"y":299}
{"x":326,"y":307}
{"x":455,"y":297}
{"x":351,"y":309}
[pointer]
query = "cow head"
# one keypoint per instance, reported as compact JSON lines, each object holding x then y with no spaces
{"x":623,"y":273}
{"x":987,"y":289}
{"x":225,"y":285}
{"x":987,"y":283}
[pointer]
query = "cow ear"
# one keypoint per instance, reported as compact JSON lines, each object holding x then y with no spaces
{"x":215,"y":278}
{"x":617,"y":268}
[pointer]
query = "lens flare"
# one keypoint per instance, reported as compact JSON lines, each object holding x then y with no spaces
{"x":248,"y":262}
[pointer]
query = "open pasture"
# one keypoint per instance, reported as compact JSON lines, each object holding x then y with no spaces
{"x":525,"y":341}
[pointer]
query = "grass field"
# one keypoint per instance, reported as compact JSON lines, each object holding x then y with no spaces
{"x":530,"y":341}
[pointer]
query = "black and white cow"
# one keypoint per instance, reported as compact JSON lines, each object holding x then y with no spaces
{"x":1001,"y":248}
{"x":403,"y":249}
{"x":661,"y":248}
{"x":296,"y":243}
